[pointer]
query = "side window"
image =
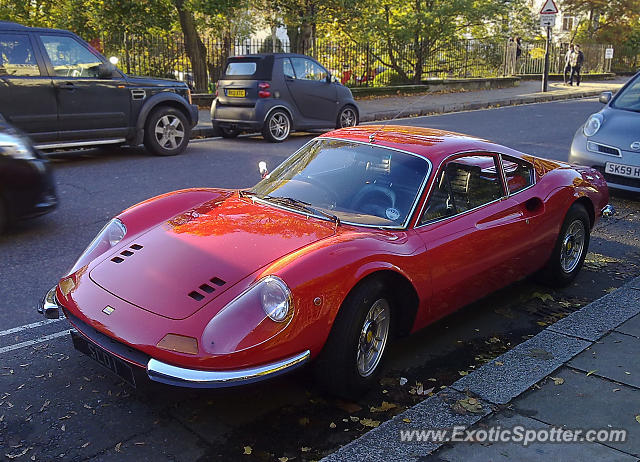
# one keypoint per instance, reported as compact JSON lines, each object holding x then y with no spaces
{"x":308,"y":70}
{"x":69,"y":58}
{"x":16,"y":56}
{"x":464,"y":183}
{"x":518,"y":174}
{"x":287,"y":68}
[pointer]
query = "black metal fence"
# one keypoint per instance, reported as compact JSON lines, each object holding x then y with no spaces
{"x":354,"y":64}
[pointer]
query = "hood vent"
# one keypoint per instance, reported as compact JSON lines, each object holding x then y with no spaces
{"x":126,"y":253}
{"x":198,"y":296}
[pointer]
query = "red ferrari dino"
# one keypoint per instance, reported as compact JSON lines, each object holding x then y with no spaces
{"x":363,"y":234}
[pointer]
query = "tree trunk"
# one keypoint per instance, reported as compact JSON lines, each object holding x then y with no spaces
{"x":196,"y":51}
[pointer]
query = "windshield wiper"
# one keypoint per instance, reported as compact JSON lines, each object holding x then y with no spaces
{"x":302,"y":205}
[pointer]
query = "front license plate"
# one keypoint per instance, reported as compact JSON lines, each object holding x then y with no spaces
{"x":237,"y":93}
{"x":104,"y":358}
{"x":622,"y":170}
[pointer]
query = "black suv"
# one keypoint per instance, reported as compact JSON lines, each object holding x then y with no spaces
{"x":277,"y":92}
{"x":63,"y":93}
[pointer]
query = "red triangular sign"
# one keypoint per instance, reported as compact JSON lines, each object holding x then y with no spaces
{"x":549,"y":7}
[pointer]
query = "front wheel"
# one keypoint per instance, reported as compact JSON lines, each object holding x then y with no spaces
{"x":570,"y":249}
{"x":350,"y":362}
{"x":348,"y":117}
{"x":277,"y":127}
{"x":166,"y":132}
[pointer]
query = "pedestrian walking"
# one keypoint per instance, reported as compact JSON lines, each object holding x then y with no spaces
{"x":567,"y":63}
{"x":577,"y":59}
{"x":518,"y":55}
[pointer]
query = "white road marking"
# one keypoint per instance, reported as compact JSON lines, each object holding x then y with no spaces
{"x":29,"y":326}
{"x":28,"y":343}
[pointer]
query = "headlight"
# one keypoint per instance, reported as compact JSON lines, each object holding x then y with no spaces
{"x":15,"y":147}
{"x":593,"y":124}
{"x":253,"y":317}
{"x":112,"y":233}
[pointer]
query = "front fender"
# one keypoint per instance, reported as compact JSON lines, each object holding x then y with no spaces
{"x":174,"y":100}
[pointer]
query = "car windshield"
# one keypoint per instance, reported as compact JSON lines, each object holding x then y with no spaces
{"x":629,"y":98}
{"x":357,"y":183}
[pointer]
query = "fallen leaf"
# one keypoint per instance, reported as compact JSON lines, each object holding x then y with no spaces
{"x":384,"y":407}
{"x":305,"y":449}
{"x":85,"y":444}
{"x":18,"y":454}
{"x":247,"y":450}
{"x":348,"y":406}
{"x":63,"y":428}
{"x":406,"y":420}
{"x":118,"y":446}
{"x":615,"y":389}
{"x":463,"y":373}
{"x":403,"y":381}
{"x":432,"y":379}
{"x":628,"y":373}
{"x":283,"y":459}
{"x":610,"y":289}
{"x":353,"y":418}
{"x":332,"y":425}
{"x":370,"y":423}
{"x":542,"y":297}
{"x":494,"y":340}
{"x":462,"y":406}
{"x":499,"y":363}
{"x":638,"y":418}
{"x":591,"y":372}
{"x":557,"y":380}
{"x":303,"y":421}
{"x":44,"y":405}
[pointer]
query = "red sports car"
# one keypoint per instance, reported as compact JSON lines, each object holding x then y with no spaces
{"x":363,"y":234}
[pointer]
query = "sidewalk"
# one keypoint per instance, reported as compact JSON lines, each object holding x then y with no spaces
{"x":583,"y":372}
{"x":388,"y":107}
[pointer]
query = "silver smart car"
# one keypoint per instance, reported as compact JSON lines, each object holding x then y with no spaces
{"x":610,"y":139}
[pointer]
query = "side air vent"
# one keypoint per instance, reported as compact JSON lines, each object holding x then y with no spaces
{"x":117,"y":260}
{"x":136,"y":247}
{"x":206,"y":288}
{"x":196,"y":295}
{"x":126,"y":253}
{"x":138,"y":94}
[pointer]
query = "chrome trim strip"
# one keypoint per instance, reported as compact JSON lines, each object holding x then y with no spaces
{"x":73,"y":144}
{"x":415,"y":202}
{"x":619,"y":155}
{"x":480,"y":206}
{"x":174,"y":375}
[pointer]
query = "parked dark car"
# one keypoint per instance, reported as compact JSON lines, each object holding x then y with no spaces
{"x":62,"y":93}
{"x":279,"y":92}
{"x":26,"y":183}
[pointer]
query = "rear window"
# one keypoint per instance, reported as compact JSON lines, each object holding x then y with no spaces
{"x":241,"y":68}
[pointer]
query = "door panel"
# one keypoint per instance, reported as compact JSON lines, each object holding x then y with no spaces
{"x":314,"y":97}
{"x":88,"y":106}
{"x":27,"y":96}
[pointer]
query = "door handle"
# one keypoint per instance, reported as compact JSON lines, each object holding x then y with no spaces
{"x":66,"y":86}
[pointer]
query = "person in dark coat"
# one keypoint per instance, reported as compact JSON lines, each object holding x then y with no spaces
{"x":577,"y":60}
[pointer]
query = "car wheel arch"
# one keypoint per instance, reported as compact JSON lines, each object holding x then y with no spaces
{"x":405,"y":305}
{"x":588,"y":205}
{"x":167,"y":99}
{"x":285,"y":108}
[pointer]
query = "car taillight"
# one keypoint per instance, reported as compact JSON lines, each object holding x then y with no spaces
{"x":263,"y":90}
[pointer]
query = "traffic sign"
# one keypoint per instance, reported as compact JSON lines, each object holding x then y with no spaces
{"x":547,"y":20}
{"x":608,"y":53}
{"x":549,"y":7}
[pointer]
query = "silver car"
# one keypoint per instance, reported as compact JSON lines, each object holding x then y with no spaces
{"x":610,"y":139}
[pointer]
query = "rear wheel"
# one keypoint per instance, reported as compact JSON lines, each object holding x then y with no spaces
{"x":166,"y":132}
{"x":277,"y":127}
{"x":348,"y":117}
{"x":570,"y":249}
{"x":350,"y":362}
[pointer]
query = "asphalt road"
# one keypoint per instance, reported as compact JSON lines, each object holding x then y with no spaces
{"x":57,"y":404}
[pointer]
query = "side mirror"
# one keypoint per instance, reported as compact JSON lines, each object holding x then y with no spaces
{"x":605,"y":97}
{"x":106,"y":71}
{"x":262,"y":168}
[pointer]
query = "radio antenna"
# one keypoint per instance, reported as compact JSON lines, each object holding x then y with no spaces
{"x":372,"y":137}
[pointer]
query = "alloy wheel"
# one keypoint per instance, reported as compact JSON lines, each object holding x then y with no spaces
{"x":348,"y":118}
{"x":169,"y":131}
{"x":572,"y":246}
{"x":373,"y":337}
{"x":279,"y":126}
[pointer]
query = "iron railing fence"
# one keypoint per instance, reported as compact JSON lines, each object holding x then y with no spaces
{"x":356,"y":64}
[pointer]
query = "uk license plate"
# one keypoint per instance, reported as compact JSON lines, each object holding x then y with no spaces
{"x":622,"y":170}
{"x":236,"y":93}
{"x":104,"y":358}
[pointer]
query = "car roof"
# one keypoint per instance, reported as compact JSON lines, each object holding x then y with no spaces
{"x":10,"y":26}
{"x":432,"y":144}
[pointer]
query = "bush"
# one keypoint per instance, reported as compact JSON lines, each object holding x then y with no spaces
{"x":387,"y":78}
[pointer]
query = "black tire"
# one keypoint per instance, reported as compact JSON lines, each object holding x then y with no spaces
{"x":228,"y":132}
{"x":277,"y":126}
{"x":348,"y":117}
{"x":166,"y":131}
{"x":562,"y":267}
{"x":337,"y":368}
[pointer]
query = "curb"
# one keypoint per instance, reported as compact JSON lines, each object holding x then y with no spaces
{"x":497,"y":382}
{"x":208,"y":132}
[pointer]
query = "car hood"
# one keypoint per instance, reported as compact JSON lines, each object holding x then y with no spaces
{"x":181,"y":264}
{"x":620,"y":129}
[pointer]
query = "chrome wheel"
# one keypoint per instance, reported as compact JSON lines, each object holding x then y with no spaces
{"x":169,"y":131}
{"x":572,"y":246}
{"x":348,"y":118}
{"x":279,"y":126}
{"x":373,"y":337}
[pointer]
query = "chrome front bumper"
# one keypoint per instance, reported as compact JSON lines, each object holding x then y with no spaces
{"x":180,"y":376}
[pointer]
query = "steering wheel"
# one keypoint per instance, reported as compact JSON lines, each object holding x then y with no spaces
{"x":376,"y":200}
